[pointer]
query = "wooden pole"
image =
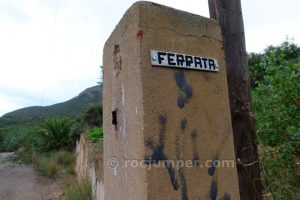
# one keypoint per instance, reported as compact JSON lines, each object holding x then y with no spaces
{"x":229,"y":15}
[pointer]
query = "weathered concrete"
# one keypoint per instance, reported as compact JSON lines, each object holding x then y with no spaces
{"x":89,"y":165}
{"x":153,"y":114}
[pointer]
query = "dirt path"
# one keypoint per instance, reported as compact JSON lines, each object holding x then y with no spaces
{"x":21,"y":182}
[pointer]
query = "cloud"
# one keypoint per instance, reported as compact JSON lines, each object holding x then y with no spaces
{"x":8,"y":104}
{"x":47,"y":59}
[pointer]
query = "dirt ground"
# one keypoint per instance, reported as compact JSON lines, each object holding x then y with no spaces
{"x":23,"y":183}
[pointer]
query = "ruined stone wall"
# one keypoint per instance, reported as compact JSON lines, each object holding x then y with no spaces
{"x":89,"y":165}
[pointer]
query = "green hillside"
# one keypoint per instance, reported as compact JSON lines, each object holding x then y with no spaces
{"x":71,"y":108}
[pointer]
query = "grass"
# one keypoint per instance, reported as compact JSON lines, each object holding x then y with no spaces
{"x":79,"y":191}
{"x":61,"y":165}
{"x":56,"y":164}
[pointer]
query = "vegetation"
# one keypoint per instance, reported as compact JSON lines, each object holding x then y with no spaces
{"x":14,"y":136}
{"x":95,"y":134}
{"x":90,"y":118}
{"x":275,"y":82}
{"x":46,"y":137}
{"x":52,"y":135}
{"x":79,"y":191}
{"x":276,"y":96}
{"x":56,"y":164}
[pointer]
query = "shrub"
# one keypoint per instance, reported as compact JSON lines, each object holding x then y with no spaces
{"x":95,"y":134}
{"x":13,"y":137}
{"x":276,"y":99}
{"x":93,"y":116}
{"x":53,"y":135}
{"x":56,"y":164}
{"x":79,"y":191}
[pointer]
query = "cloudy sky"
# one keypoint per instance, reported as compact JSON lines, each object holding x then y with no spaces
{"x":51,"y":50}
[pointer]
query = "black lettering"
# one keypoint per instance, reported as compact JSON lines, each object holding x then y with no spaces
{"x":188,"y":60}
{"x":180,"y":59}
{"x":211,"y":64}
{"x":197,"y":61}
{"x":160,"y":56}
{"x":171,"y":59}
{"x":204,"y":61}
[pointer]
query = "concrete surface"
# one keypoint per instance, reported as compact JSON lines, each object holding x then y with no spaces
{"x":157,"y":114}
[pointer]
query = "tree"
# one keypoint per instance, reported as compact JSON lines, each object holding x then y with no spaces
{"x":53,"y":134}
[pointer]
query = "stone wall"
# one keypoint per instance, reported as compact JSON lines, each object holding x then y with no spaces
{"x":89,"y":166}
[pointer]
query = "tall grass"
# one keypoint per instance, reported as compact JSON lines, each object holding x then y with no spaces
{"x":57,"y":164}
{"x":79,"y":191}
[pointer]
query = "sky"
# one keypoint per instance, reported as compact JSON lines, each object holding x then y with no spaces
{"x":51,"y":50}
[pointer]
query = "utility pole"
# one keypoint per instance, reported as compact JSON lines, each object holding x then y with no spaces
{"x":229,"y":15}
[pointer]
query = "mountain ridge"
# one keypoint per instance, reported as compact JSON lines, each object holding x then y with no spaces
{"x":70,"y":108}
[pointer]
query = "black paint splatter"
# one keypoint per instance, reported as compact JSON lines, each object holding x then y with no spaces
{"x":194,"y":135}
{"x":172,"y":174}
{"x":180,"y":79}
{"x":186,"y":91}
{"x":213,"y":190}
{"x":184,"y":192}
{"x":183,"y":124}
{"x":226,"y":197}
{"x":162,"y":120}
{"x":212,"y":168}
{"x":181,"y":101}
{"x":158,"y":154}
{"x":196,"y":159}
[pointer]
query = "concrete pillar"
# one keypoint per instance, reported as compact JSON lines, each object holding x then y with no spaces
{"x":166,"y":112}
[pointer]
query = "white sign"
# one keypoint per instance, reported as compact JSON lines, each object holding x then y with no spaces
{"x":178,"y":60}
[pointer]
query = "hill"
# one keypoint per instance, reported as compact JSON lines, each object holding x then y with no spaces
{"x":70,"y":108}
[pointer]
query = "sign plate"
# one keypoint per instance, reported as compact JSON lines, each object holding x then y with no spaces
{"x":178,"y":60}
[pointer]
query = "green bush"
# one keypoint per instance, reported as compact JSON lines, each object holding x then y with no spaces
{"x":14,"y":137}
{"x":53,"y":135}
{"x":91,"y":117}
{"x":276,"y":98}
{"x":95,"y":134}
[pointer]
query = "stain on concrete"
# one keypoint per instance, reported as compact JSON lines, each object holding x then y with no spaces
{"x":213,"y":190}
{"x":183,"y":124}
{"x":185,"y":90}
{"x":184,"y":191}
{"x":117,"y":60}
{"x":226,"y":197}
{"x":195,"y":159}
{"x":172,"y":174}
{"x":212,"y":168}
{"x":194,"y":135}
{"x":188,"y":91}
{"x":158,"y":154}
{"x":181,"y":101}
{"x":140,"y":34}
